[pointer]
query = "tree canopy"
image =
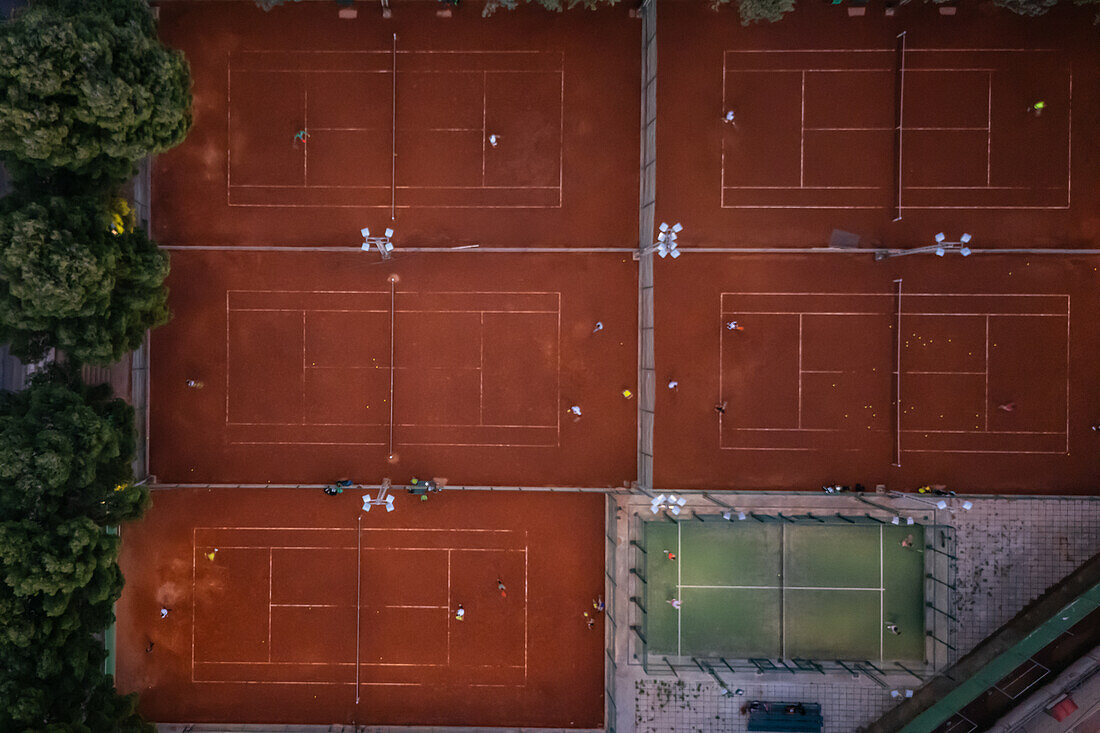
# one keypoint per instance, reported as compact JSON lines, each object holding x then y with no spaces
{"x":86,"y":87}
{"x":758,"y":11}
{"x":491,"y":6}
{"x":66,"y":451}
{"x":67,"y":281}
{"x":65,"y":473}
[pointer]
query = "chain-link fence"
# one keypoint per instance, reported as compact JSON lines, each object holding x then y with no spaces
{"x":938,"y":599}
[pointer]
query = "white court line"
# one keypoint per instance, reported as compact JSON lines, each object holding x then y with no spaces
{"x":526,"y":606}
{"x":358,"y":595}
{"x":481,"y":364}
{"x":349,"y":664}
{"x":228,"y":359}
{"x":365,"y":187}
{"x":800,"y":372}
{"x":371,"y":547}
{"x":270,"y":581}
{"x":802,"y":135}
{"x":473,"y":52}
{"x":382,"y":424}
{"x":778,"y":587}
{"x":252,"y":663}
{"x":986,"y":406}
{"x":1069,"y":150}
{"x":428,"y":206}
{"x":986,"y":208}
{"x":990,"y":452}
{"x":302,"y":381}
{"x":194,"y":600}
{"x":393,"y":307}
{"x":879,"y":50}
{"x":734,"y":447}
{"x":299,"y":605}
{"x":881,"y":601}
{"x":393,"y":148}
{"x":788,"y":430}
{"x":557,"y":374}
{"x":943,"y":373}
{"x":305,"y":141}
{"x":897,"y":387}
{"x":484,"y":128}
{"x":722,"y":169}
{"x":679,"y":585}
{"x":347,"y":548}
{"x":1067,"y":373}
{"x":450,"y":606}
{"x":721,"y":373}
{"x":803,"y":188}
{"x":400,"y":310}
{"x":1035,"y":665}
{"x":782,"y":591}
{"x":301,"y":442}
{"x":989,"y":133}
{"x":331,"y":684}
{"x":348,"y":529}
{"x":883,"y":294}
{"x":381,"y":129}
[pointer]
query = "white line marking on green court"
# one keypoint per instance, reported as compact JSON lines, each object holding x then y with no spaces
{"x":679,"y":583}
{"x":881,"y":597}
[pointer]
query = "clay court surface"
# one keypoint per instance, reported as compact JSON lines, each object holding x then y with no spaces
{"x":308,"y":602}
{"x":810,"y":381}
{"x":318,"y":365}
{"x":401,"y":127}
{"x":821,"y":110}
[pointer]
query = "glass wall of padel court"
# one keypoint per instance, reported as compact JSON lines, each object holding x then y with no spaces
{"x":761,"y":591}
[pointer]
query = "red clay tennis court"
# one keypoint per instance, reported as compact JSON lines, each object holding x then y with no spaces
{"x":890,"y":129}
{"x":316,"y":365}
{"x":457,"y":138}
{"x":289,"y":606}
{"x":995,"y":382}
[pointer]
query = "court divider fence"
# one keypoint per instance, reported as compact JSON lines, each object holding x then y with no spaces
{"x":646,"y":219}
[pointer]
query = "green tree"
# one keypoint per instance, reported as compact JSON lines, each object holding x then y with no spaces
{"x":66,"y":281}
{"x":1027,"y":7}
{"x":491,"y":6}
{"x":66,"y":451}
{"x":759,"y":11}
{"x":58,"y":584}
{"x":86,"y":87}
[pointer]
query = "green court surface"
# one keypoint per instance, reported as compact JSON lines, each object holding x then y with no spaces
{"x":797,"y":591}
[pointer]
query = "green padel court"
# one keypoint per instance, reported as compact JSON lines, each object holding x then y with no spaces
{"x":779,"y":590}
